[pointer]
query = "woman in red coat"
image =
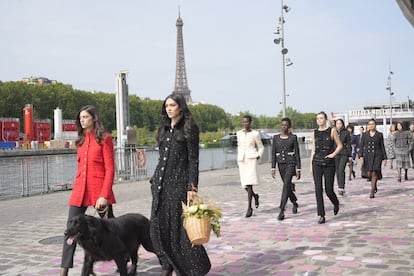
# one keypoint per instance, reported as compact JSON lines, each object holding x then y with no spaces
{"x":95,"y":176}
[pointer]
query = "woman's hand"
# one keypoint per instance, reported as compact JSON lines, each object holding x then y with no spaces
{"x":385,"y":162}
{"x":297,"y":175}
{"x":274,"y":173}
{"x":101,"y":203}
{"x":332,"y":155}
{"x":191,"y":195}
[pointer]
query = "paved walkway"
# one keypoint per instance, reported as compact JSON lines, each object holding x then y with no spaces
{"x":367,"y":237}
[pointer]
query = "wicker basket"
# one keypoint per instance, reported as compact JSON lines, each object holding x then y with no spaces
{"x":198,"y":229}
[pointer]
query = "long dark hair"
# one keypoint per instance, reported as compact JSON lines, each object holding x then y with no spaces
{"x":342,"y":121}
{"x":99,"y":130}
{"x":184,"y":123}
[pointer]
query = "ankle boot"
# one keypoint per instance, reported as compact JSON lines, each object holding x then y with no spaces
{"x":249,"y":212}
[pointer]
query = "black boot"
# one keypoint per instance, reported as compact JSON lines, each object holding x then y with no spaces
{"x":249,"y":212}
{"x":295,"y":208}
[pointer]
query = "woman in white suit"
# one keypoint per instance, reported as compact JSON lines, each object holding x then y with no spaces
{"x":249,"y":150}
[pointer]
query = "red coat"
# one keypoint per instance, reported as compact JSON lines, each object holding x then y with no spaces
{"x":95,"y":175}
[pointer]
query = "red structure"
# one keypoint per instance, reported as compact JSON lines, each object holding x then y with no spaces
{"x":69,"y":125}
{"x":41,"y":130}
{"x":28,"y":123}
{"x":9,"y":129}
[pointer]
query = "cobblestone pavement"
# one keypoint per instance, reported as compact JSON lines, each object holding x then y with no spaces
{"x":367,"y":237}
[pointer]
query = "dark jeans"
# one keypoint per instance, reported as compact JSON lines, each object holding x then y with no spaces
{"x":328,"y":175}
{"x":287,"y":171}
{"x":69,"y":250}
{"x":340,"y":164}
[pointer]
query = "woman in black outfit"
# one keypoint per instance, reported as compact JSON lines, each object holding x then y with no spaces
{"x":354,"y":150}
{"x":372,"y":154}
{"x":285,"y":152}
{"x":174,"y":181}
{"x":325,"y":146}
{"x":344,"y":155}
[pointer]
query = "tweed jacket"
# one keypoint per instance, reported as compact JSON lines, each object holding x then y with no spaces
{"x":95,"y":175}
{"x":249,"y":145}
{"x":286,"y":151}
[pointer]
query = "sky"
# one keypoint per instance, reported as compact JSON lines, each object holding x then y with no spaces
{"x":341,"y":50}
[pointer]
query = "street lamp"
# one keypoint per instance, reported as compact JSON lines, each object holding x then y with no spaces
{"x":280,"y":30}
{"x":390,"y":73}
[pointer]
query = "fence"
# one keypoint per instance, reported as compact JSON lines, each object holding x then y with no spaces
{"x":37,"y":172}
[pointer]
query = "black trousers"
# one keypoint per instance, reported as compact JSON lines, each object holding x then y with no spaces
{"x":287,"y":171}
{"x":340,"y":164}
{"x":327,"y":174}
{"x":69,"y":250}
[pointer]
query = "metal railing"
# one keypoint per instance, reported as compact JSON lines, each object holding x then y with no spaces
{"x":33,"y":173}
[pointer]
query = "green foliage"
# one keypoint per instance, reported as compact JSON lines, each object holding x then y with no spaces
{"x":212,"y":120}
{"x":146,"y":137}
{"x":201,"y":209}
{"x":209,"y":117}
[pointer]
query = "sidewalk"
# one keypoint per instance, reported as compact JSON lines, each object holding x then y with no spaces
{"x":367,"y":237}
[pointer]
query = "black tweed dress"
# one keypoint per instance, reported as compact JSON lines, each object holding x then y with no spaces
{"x":176,"y":171}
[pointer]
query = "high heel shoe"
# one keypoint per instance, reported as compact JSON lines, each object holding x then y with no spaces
{"x":372,"y":194}
{"x":256,"y":200}
{"x":281,"y":216}
{"x":249,"y":212}
{"x":321,"y":220}
{"x":353,"y":174}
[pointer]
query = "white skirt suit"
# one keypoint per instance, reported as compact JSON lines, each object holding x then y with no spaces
{"x":249,"y":147}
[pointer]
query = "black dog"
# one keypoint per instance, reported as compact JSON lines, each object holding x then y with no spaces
{"x":115,"y":239}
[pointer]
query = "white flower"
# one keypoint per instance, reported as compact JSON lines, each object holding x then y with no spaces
{"x":193,"y":209}
{"x":203,"y":206}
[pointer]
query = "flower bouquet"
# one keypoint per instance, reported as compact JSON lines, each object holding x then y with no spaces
{"x":199,"y":219}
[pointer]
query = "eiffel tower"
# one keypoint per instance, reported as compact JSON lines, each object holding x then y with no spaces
{"x":181,"y":84}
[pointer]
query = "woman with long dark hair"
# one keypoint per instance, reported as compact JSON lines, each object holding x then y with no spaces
{"x":175,"y":180}
{"x":354,"y":150}
{"x":343,"y":156}
{"x":95,"y":176}
{"x":373,"y":154}
{"x":325,"y":146}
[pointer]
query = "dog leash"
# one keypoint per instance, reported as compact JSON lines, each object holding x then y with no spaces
{"x":102,"y":211}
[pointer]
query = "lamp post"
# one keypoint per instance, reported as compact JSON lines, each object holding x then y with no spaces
{"x":280,"y":30}
{"x":390,"y":73}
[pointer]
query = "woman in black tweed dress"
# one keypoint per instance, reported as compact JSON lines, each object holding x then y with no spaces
{"x":372,"y":154}
{"x":175,"y":179}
